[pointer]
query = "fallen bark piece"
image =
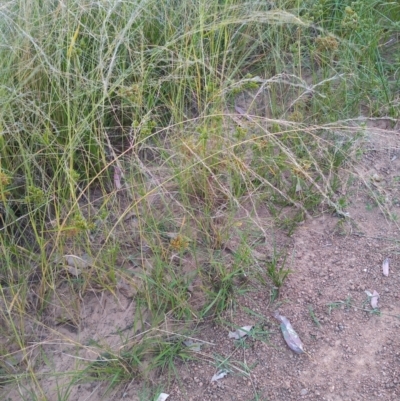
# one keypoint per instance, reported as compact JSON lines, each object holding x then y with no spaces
{"x":162,"y":397}
{"x":291,"y":337}
{"x":373,"y":298}
{"x":385,"y":267}
{"x":219,"y":375}
{"x":239,"y":333}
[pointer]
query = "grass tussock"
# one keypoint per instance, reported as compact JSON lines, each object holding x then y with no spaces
{"x":139,"y":141}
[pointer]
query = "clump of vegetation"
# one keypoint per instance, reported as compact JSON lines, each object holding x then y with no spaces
{"x":131,"y":136}
{"x":277,"y":274}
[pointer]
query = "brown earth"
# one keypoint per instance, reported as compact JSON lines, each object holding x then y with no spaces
{"x":353,"y":352}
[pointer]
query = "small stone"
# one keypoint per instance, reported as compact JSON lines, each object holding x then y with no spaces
{"x":376,"y":177}
{"x":304,"y":391}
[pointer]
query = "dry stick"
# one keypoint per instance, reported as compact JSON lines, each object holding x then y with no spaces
{"x":378,"y":238}
{"x":367,"y":310}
